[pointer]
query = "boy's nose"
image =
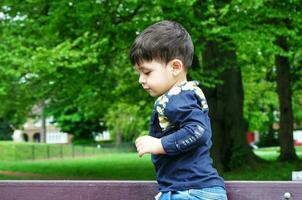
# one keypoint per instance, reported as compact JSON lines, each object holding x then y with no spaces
{"x":142,"y":79}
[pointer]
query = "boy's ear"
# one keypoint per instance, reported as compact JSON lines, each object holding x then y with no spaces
{"x":176,"y":66}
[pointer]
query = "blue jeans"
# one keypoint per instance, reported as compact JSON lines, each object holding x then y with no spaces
{"x":211,"y":193}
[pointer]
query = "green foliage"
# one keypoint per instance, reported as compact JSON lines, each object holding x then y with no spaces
{"x":261,"y":102}
{"x":238,"y":157}
{"x":122,"y":119}
{"x":71,"y":120}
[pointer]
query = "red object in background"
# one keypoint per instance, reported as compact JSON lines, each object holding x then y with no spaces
{"x":297,"y":134}
{"x":250,"y":137}
{"x":297,"y":143}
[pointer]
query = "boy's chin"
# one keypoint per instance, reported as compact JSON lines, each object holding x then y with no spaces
{"x":153,"y":94}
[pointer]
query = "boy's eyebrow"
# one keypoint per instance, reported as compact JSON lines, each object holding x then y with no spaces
{"x":137,"y":68}
{"x":140,"y":67}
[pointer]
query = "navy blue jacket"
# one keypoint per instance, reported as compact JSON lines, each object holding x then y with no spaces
{"x":180,"y":119}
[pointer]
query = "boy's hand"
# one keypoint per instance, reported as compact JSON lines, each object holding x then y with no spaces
{"x":147,"y":144}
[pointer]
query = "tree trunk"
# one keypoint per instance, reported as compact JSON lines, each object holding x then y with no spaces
{"x":287,"y":150}
{"x":43,"y":128}
{"x":5,"y":130}
{"x":225,"y":101}
{"x":118,"y":138}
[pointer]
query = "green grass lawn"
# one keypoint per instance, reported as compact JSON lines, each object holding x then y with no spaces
{"x":128,"y":166}
{"x":109,"y":166}
{"x":270,"y":170}
{"x":272,"y":153}
{"x":14,"y":151}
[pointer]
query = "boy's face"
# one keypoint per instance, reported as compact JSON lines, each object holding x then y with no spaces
{"x":155,"y":77}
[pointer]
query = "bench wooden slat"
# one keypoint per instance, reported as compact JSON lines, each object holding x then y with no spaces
{"x":263,"y":190}
{"x":135,"y":190}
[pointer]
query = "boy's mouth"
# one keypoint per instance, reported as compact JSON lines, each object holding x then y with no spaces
{"x":148,"y":90}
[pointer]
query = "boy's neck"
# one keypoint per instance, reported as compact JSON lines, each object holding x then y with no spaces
{"x":181,"y":80}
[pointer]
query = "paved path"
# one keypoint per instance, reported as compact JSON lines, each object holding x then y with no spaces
{"x":22,"y":174}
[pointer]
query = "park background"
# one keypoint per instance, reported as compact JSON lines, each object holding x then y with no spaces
{"x":69,"y":60}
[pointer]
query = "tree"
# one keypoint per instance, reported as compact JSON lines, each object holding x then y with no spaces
{"x":123,"y":122}
{"x":285,"y":98}
{"x":272,"y":25}
{"x":288,"y":35}
{"x":76,"y":59}
{"x":225,"y":99}
{"x":5,"y":130}
{"x":75,"y":56}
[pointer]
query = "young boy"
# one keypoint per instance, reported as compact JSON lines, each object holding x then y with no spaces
{"x":180,"y":131}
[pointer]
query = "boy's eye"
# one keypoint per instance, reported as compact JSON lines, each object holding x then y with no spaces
{"x":146,"y":72}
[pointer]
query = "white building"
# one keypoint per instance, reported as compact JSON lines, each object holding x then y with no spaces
{"x":32,"y":132}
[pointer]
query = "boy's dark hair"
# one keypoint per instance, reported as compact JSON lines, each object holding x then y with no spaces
{"x":163,"y":41}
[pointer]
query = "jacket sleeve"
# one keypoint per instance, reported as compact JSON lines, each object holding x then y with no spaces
{"x":184,"y":111}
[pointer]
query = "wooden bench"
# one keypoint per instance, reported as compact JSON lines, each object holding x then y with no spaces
{"x":137,"y":190}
